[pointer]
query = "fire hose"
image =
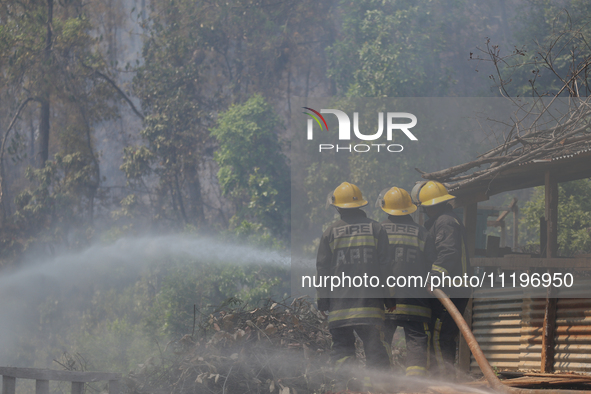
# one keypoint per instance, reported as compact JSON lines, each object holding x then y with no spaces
{"x":480,"y":358}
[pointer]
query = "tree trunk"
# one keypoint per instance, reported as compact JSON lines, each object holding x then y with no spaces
{"x":45,"y":108}
{"x":173,"y":201}
{"x":32,"y":131}
{"x":44,"y":132}
{"x":180,"y":198}
{"x":2,"y":208}
{"x":194,"y":188}
{"x":2,"y":149}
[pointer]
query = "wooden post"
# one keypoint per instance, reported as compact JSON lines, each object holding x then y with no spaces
{"x":77,"y":387}
{"x":548,"y":333}
{"x":543,"y":236}
{"x":42,"y":387}
{"x":551,"y":214}
{"x":470,"y":222}
{"x":515,"y":227}
{"x":44,"y":376}
{"x":503,"y":242}
{"x":8,"y":385}
{"x":549,"y":325}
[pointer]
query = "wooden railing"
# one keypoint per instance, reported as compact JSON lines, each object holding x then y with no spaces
{"x":43,"y":376}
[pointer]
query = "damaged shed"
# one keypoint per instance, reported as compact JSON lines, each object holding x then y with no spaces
{"x":545,"y":328}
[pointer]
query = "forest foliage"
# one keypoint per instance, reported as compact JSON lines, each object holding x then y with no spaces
{"x":211,"y":74}
{"x":198,"y":124}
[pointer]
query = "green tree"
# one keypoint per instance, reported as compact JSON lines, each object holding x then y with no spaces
{"x":574,"y":216}
{"x":199,"y":57}
{"x":551,"y":59}
{"x":253,"y":170}
{"x":49,"y":211}
{"x":207,"y":287}
{"x":171,"y":85}
{"x":51,"y":55}
{"x":391,"y":49}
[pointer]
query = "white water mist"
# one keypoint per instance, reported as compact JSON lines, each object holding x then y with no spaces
{"x":24,"y":290}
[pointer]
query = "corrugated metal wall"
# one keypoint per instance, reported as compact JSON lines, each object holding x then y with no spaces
{"x":496,"y":324}
{"x":573,"y":335}
{"x":530,"y":355}
{"x":508,"y":326}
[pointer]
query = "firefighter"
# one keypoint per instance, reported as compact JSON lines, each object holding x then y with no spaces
{"x":354,"y":246}
{"x":451,"y":260}
{"x":412,"y":251}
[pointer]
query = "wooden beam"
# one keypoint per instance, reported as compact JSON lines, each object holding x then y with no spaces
{"x":469,"y":199}
{"x":510,"y":209}
{"x":493,"y":208}
{"x":549,"y":326}
{"x":500,"y":222}
{"x":49,"y":374}
{"x":548,"y":333}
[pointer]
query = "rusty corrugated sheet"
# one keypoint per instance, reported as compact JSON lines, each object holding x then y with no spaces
{"x":508,"y":327}
{"x":573,"y":335}
{"x":530,"y":349}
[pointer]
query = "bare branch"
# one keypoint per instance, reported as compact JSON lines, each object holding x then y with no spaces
{"x":117,"y":89}
{"x":12,"y":122}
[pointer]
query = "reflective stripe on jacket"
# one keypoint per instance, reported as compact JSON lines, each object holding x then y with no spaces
{"x":353,"y":246}
{"x":412,"y":252}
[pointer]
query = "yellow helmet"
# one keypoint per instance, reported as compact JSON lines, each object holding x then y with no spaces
{"x":396,"y":201}
{"x":347,"y":195}
{"x":433,"y":193}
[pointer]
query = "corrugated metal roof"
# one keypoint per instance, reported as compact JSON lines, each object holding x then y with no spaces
{"x":566,"y":166}
{"x":565,"y":154}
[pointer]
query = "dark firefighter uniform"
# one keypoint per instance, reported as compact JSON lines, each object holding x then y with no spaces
{"x":354,"y":246}
{"x":452,"y":260}
{"x":412,"y":251}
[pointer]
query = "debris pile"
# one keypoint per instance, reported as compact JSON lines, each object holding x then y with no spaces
{"x":278,"y":348}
